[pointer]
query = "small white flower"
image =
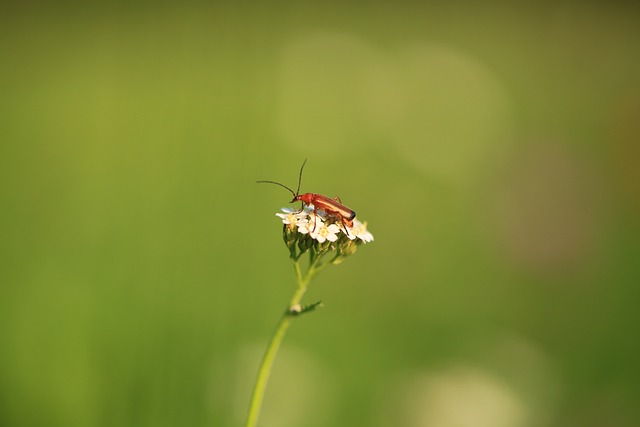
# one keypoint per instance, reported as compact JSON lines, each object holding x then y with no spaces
{"x":349,"y":231}
{"x":360,"y":231}
{"x":325,"y":232}
{"x":292,"y":217}
{"x":310,"y":224}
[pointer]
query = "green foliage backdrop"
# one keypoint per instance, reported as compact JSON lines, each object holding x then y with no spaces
{"x":492,"y":147}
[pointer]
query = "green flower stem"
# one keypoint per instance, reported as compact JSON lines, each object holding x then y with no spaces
{"x":274,"y":345}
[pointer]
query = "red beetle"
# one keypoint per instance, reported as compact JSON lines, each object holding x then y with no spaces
{"x":333,"y":207}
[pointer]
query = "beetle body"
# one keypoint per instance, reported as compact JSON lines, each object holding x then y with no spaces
{"x":333,"y":207}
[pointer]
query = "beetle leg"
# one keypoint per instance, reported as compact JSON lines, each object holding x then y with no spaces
{"x":337,"y":199}
{"x":346,"y":230}
{"x":315,"y":218}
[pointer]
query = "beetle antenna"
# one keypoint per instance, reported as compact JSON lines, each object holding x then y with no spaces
{"x":300,"y":176}
{"x":277,"y":183}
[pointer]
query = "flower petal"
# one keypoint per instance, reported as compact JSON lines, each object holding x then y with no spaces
{"x":332,"y":237}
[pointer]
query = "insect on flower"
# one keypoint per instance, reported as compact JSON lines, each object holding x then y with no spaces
{"x":333,"y":207}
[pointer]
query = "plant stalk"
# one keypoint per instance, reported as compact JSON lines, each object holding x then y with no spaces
{"x":276,"y":340}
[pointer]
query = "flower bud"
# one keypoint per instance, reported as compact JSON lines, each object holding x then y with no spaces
{"x":305,"y":242}
{"x":348,"y":247}
{"x":322,"y":247}
{"x":289,"y":235}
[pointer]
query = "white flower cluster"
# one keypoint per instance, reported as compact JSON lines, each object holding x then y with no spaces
{"x":321,"y":226}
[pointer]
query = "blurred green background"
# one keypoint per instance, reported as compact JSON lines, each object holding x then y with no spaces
{"x":494,"y":149}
